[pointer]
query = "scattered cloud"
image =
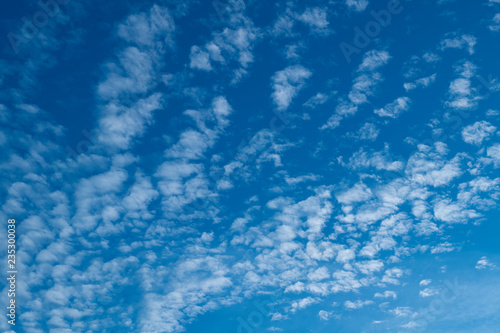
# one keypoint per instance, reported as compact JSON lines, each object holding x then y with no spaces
{"x":287,"y":83}
{"x":484,"y":263}
{"x":357,"y":5}
{"x":478,"y":132}
{"x":462,"y":42}
{"x":356,"y":304}
{"x":394,"y":109}
{"x":368,"y":132}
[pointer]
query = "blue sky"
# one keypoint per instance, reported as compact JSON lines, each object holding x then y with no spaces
{"x":243,"y":166}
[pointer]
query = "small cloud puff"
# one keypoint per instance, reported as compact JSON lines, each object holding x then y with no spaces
{"x":356,"y":304}
{"x":394,"y":109}
{"x":357,"y":5}
{"x":478,"y":132}
{"x":287,"y":83}
{"x":484,"y":263}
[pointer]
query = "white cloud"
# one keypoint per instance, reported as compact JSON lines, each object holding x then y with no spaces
{"x":425,"y":282}
{"x":287,"y":83}
{"x":345,"y":281}
{"x":478,"y":132}
{"x":300,"y":179}
{"x":316,"y":100}
{"x":392,"y":275}
{"x":283,"y":25}
{"x":443,"y":248}
{"x":492,"y":113}
{"x":494,"y":153}
{"x":461,"y":94}
{"x":262,"y":148}
{"x":378,"y":160}
{"x":402,"y":311}
{"x":422,"y":82}
{"x":30,"y":108}
{"x":315,"y":18}
{"x":345,"y":255}
{"x":302,"y":304}
{"x":428,"y":167}
{"x":145,"y":28}
{"x":278,"y":316}
{"x":357,"y":5}
{"x":133,"y":74}
{"x":368,"y":267}
{"x":373,"y":60}
{"x":358,"y":304}
{"x":395,"y":108}
{"x":298,"y":287}
{"x":428,"y":292}
{"x":119,"y":124}
{"x":384,"y":237}
{"x":368,"y":132}
{"x":359,"y":192}
{"x":325,"y":315}
{"x":495,"y":26}
{"x":464,"y":41}
{"x":319,"y":274}
{"x":181,"y":178}
{"x":447,"y":211}
{"x":184,"y":294}
{"x":199,"y":59}
{"x":231,"y":47}
{"x":362,"y":88}
{"x":387,"y":294}
{"x":484,"y":263}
